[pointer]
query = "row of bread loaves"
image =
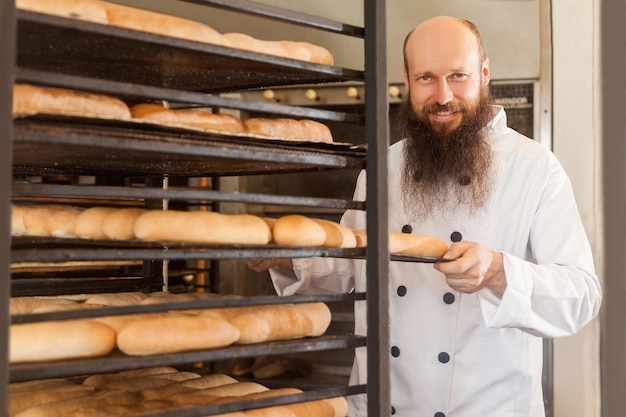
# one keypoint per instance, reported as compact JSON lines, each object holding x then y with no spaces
{"x":133,"y":18}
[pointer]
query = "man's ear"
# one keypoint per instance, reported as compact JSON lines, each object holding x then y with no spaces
{"x":406,"y":78}
{"x":486,"y":72}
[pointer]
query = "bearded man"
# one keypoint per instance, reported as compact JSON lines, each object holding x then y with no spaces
{"x":466,"y":334}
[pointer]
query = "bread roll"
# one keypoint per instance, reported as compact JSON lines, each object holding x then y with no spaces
{"x":66,"y":407}
{"x":125,"y":410}
{"x":174,"y":333}
{"x":27,"y":305}
{"x":339,"y":404}
{"x":120,"y":224}
{"x":337,"y":236}
{"x":17,"y":220}
{"x":19,"y":401}
{"x":319,"y":314}
{"x":52,"y":340}
{"x":194,"y":118}
{"x":38,"y":384}
{"x":417,"y":245}
{"x":62,"y":223}
{"x":161,"y":24}
{"x":100,"y":380}
{"x":75,"y":9}
{"x":204,"y":396}
{"x":289,"y":129}
{"x":298,"y":230}
{"x":140,"y":383}
{"x":89,"y":223}
{"x":117,"y":299}
{"x":360,"y":237}
{"x":318,"y":408}
{"x":201,"y":227}
{"x":30,"y":99}
{"x":301,"y":51}
{"x":36,"y":218}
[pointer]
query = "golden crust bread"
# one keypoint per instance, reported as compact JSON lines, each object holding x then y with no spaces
{"x":289,"y":129}
{"x":76,"y":9}
{"x":161,"y":24}
{"x":187,"y":118}
{"x":29,"y":99}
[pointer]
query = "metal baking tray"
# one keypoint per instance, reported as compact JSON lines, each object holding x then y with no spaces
{"x":55,"y":144}
{"x":72,"y":46}
{"x":117,"y":361}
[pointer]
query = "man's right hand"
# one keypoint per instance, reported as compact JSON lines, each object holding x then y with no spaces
{"x":261,"y":265}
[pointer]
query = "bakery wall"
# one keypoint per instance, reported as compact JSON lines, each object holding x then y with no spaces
{"x":511,"y":31}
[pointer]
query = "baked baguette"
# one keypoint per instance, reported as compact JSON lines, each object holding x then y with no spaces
{"x":125,"y":410}
{"x":289,"y":129}
{"x":29,"y":99}
{"x":301,"y":51}
{"x":19,"y":401}
{"x":337,"y":236}
{"x":417,"y":245}
{"x":194,"y":118}
{"x":201,"y":227}
{"x":52,"y":340}
{"x":89,"y":223}
{"x":298,"y":230}
{"x":17,"y":220}
{"x":174,"y":333}
{"x":161,"y":24}
{"x":27,"y":305}
{"x":120,"y":224}
{"x":36,"y":218}
{"x":75,"y":9}
{"x":63,"y":408}
{"x":99,"y":380}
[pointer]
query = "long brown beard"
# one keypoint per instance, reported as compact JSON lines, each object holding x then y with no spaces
{"x":446,"y":169}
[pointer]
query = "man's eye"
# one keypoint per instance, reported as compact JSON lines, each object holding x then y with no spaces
{"x":424,"y":78}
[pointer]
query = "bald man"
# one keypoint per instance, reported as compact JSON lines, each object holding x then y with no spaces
{"x":466,"y":334}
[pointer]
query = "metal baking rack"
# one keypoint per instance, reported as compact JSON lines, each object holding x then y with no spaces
{"x":140,"y":61}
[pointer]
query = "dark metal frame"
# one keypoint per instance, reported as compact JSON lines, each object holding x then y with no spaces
{"x":14,"y":23}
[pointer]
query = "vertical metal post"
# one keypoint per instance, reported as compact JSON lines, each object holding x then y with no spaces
{"x":7,"y":62}
{"x":377,"y":139}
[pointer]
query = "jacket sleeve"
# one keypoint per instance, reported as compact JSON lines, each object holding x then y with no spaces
{"x":557,"y":292}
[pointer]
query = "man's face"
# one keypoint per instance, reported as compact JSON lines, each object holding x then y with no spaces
{"x":444,"y":77}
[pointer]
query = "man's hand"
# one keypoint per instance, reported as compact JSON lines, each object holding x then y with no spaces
{"x":472,"y":267}
{"x":261,"y":265}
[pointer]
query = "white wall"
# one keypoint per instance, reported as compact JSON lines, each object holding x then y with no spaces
{"x":576,"y":141}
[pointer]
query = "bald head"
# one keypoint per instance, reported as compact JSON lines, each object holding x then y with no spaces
{"x":442,"y":31}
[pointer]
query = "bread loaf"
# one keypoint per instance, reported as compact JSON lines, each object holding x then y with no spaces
{"x":301,"y":51}
{"x":120,"y":224}
{"x":298,"y":230}
{"x":52,"y":340}
{"x":211,"y":395}
{"x":203,"y":382}
{"x":174,"y":333}
{"x":117,"y":298}
{"x":30,"y":99}
{"x":125,"y":410}
{"x":75,"y":9}
{"x":36,"y":218}
{"x":201,"y":227}
{"x":64,"y":408}
{"x":140,"y":383}
{"x":337,"y":236}
{"x":62,"y":222}
{"x":38,"y":384}
{"x":17,"y":220}
{"x":289,"y":129}
{"x":195,"y":118}
{"x":417,"y":245}
{"x":99,"y":380}
{"x":19,"y":401}
{"x":161,"y":24}
{"x":89,"y":223}
{"x":27,"y":305}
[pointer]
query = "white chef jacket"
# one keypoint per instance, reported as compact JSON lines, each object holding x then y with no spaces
{"x":474,"y":355}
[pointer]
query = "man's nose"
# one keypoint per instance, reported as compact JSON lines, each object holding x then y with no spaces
{"x":444,"y":94}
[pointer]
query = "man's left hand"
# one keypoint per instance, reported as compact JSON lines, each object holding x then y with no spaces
{"x":472,"y":267}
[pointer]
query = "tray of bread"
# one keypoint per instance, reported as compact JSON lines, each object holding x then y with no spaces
{"x":145,"y":47}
